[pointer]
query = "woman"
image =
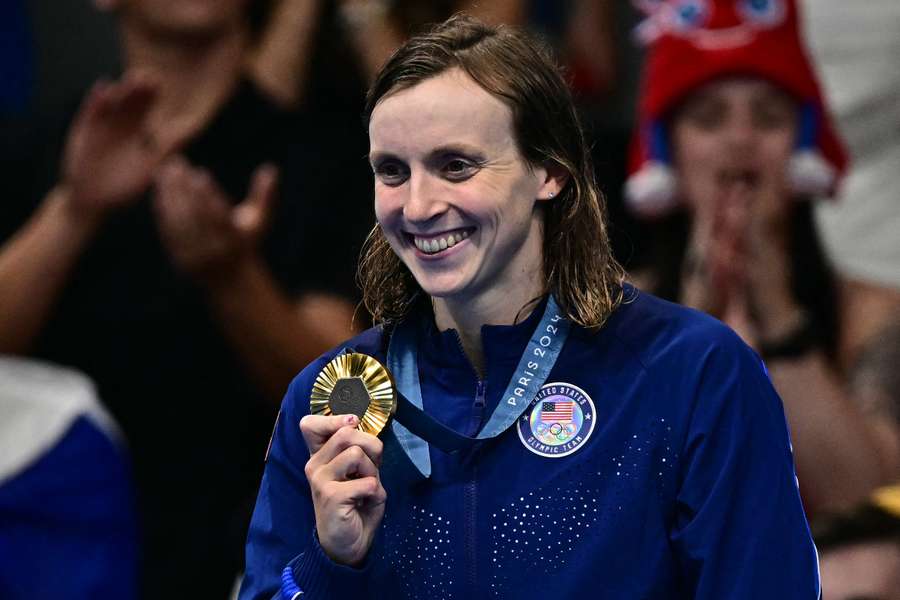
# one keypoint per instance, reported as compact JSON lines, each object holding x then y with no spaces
{"x":610,"y":441}
{"x":733,"y":129}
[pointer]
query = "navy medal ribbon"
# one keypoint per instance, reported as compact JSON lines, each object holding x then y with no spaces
{"x":412,"y":426}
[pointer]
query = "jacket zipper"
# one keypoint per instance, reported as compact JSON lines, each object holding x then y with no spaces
{"x":470,"y":499}
{"x":470,"y":496}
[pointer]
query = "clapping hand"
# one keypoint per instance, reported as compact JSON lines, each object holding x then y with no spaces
{"x":205,"y":235}
{"x":738,"y":266}
{"x":110,"y":154}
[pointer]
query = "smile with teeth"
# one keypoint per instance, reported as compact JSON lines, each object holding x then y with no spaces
{"x":433,"y":245}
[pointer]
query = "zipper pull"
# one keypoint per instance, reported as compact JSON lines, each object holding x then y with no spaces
{"x":477,"y":409}
{"x":479,"y":394}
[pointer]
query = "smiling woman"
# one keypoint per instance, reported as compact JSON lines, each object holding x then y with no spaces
{"x":575,"y":434}
{"x":509,"y":120}
{"x":451,"y":169}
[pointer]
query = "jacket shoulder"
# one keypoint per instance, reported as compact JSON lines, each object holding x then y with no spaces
{"x":656,"y":331}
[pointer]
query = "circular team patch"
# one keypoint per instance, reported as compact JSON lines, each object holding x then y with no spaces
{"x":558,"y":422}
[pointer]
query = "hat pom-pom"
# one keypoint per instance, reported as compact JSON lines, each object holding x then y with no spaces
{"x":650,"y":192}
{"x":809,"y":174}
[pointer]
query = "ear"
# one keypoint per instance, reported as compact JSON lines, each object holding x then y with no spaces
{"x":554,"y":178}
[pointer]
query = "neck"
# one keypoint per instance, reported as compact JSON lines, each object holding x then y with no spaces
{"x":195,"y":76}
{"x":503,"y":308}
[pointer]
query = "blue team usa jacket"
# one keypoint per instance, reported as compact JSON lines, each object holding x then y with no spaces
{"x":654,"y":464}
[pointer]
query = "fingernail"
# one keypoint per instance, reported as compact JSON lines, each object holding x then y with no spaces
{"x":350,"y":419}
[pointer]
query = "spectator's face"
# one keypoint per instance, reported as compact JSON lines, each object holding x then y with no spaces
{"x":862,"y":572}
{"x":453,"y":195}
{"x":732,"y":131}
{"x":184,"y":17}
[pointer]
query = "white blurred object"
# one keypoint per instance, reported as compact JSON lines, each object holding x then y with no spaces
{"x":652,"y":190}
{"x":38,"y":403}
{"x":810,"y":173}
{"x":856,"y":47}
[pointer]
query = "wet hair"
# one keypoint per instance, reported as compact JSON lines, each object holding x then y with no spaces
{"x":578,"y":266}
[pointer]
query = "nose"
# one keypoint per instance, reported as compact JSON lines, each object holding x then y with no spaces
{"x":741,"y":134}
{"x":424,"y":203}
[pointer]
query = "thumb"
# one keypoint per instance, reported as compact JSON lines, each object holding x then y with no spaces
{"x":251,"y":216}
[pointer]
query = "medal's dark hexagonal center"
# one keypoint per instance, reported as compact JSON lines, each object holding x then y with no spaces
{"x":349,"y":396}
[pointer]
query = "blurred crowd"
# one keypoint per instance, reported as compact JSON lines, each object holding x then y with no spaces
{"x":187,"y":190}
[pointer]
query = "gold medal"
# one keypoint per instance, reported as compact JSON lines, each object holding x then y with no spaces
{"x":355,"y":383}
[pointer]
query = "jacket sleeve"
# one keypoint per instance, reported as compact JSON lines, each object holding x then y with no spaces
{"x":282,"y":547}
{"x":740,"y":531}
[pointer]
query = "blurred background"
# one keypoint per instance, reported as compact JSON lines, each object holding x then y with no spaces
{"x":186,"y":192}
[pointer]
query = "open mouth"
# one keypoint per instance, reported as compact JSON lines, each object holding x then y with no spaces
{"x":436,"y":243}
{"x":745,"y":177}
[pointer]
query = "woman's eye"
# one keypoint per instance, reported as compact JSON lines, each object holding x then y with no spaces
{"x":773,"y":119}
{"x":706,"y":116}
{"x":391,"y":173}
{"x":459,"y":169}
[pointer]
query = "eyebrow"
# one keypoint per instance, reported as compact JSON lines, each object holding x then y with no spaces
{"x":443,"y":150}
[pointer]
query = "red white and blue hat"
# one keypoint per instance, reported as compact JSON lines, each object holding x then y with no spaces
{"x":692,"y":42}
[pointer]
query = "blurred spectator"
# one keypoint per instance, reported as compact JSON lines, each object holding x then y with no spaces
{"x":68,"y":525}
{"x":733,"y":133}
{"x":859,"y":551}
{"x":354,"y":37}
{"x":192,"y":310}
{"x":857,"y":47}
{"x":366,"y":33}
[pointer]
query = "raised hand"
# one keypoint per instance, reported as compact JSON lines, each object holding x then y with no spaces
{"x":738,"y":263}
{"x":712,"y":271}
{"x":766,"y":260}
{"x":347,"y":494}
{"x":110,"y":155}
{"x":204,"y":234}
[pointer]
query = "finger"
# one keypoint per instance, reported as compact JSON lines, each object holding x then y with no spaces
{"x":126,"y":97}
{"x":317,"y":429}
{"x":251,"y":216}
{"x":91,"y":104}
{"x":170,"y":203}
{"x":140,"y":78}
{"x":738,"y":204}
{"x":366,"y":490}
{"x":115,"y":93}
{"x":216,"y":197}
{"x":351,"y":463}
{"x":344,"y":438}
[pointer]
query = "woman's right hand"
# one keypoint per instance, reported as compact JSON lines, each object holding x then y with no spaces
{"x":347,"y":494}
{"x":714,"y":273}
{"x":712,"y":264}
{"x":110,"y":154}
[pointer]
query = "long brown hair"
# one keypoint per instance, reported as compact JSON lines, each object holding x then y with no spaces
{"x":579,"y":268}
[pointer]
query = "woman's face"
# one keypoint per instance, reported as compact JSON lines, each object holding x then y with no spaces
{"x":453,"y":195}
{"x":732,"y":131}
